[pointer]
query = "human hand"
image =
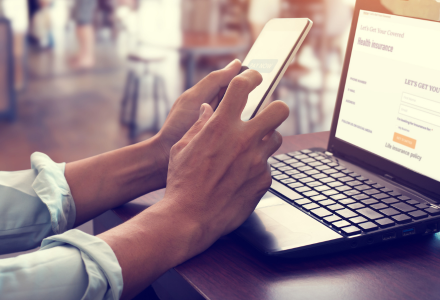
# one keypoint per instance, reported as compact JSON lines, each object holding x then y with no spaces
{"x":218,"y":171}
{"x":185,"y":110}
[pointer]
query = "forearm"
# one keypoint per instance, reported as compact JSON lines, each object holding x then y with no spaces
{"x":111,"y":179}
{"x":151,"y":243}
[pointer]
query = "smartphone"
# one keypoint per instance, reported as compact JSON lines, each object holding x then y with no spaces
{"x":270,"y":55}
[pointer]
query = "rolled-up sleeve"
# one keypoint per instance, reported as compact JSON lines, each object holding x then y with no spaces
{"x":34,"y":204}
{"x":36,"y":207}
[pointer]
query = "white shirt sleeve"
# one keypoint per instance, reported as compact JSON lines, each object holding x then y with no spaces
{"x":36,"y":204}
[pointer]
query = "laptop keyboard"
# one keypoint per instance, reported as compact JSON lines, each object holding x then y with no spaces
{"x":345,"y":201}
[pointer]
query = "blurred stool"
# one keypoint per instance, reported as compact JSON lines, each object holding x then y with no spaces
{"x":141,"y":66}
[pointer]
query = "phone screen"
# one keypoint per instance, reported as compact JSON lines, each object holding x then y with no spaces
{"x":267,"y":56}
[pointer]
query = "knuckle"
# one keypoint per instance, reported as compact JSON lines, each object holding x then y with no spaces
{"x":240,"y":83}
{"x":213,"y":76}
{"x":177,"y":148}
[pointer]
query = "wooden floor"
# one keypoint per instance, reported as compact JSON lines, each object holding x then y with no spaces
{"x":66,"y":114}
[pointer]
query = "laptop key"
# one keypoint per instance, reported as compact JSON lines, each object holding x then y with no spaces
{"x":274,"y":173}
{"x":369,"y":213}
{"x":299,"y":176}
{"x":343,"y":188}
{"x":314,"y":184}
{"x":291,"y":172}
{"x":403,"y":207}
{"x":319,"y":176}
{"x":313,"y":154}
{"x":347,"y":171}
{"x":371,"y":192}
{"x":302,"y":201}
{"x":418,"y":214}
{"x":305,"y":168}
{"x":354,"y":183}
{"x":345,"y":179}
{"x":355,"y":206}
{"x":422,"y":205}
{"x":303,"y":189}
{"x":402,"y":219}
{"x":332,"y":218}
{"x":297,"y":165}
{"x":362,"y":187}
{"x":346,"y":213}
{"x":279,"y":165}
{"x":310,"y":206}
{"x":361,"y":197}
{"x":280,"y":177}
{"x":333,"y":164}
{"x":310,"y":194}
{"x":327,"y":202}
{"x":432,"y":211}
{"x":295,"y":185}
{"x":288,"y":180}
{"x":353,"y":174}
{"x":338,"y":197}
{"x":386,"y":190}
{"x":323,"y":167}
{"x":330,"y":171}
{"x":369,"y":182}
{"x":341,"y":224}
{"x":318,"y":198}
{"x":335,"y":184}
{"x":330,"y":192}
{"x":291,"y":161}
{"x":340,"y":168}
{"x":327,"y":179}
{"x":312,"y":172}
{"x":337,"y":175}
{"x":284,"y":190}
{"x":306,"y":151}
{"x":404,"y":198}
{"x":351,"y":192}
{"x":369,"y":201}
{"x":380,"y":196}
{"x":335,"y":207}
{"x":369,"y":226}
{"x":286,"y":168}
{"x":346,"y":201}
{"x":413,"y":202}
{"x":385,"y":222}
{"x":320,"y":157}
{"x":321,"y":188}
{"x":358,"y":220}
{"x":294,"y":153}
{"x":389,"y":212}
{"x":390,"y":200}
{"x":306,"y":180}
{"x":379,"y":206}
{"x":321,"y":212}
{"x":378,"y":186}
{"x":352,"y":230}
{"x":361,"y":178}
{"x":301,"y":156}
{"x":308,"y":160}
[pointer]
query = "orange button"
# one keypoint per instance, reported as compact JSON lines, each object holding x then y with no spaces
{"x":404,"y":140}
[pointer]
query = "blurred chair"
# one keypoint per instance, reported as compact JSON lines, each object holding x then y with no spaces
{"x":144,"y":59}
{"x":7,"y":90}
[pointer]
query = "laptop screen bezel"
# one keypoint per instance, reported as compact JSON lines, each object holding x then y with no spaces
{"x":350,"y":152}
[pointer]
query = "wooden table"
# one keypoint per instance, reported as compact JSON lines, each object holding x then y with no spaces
{"x":230,"y":269}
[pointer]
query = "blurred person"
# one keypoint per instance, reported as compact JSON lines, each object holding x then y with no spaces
{"x":215,"y":170}
{"x":41,"y":25}
{"x":83,"y":13}
{"x":17,"y":12}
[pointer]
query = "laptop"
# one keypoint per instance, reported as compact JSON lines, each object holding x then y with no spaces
{"x":379,"y":178}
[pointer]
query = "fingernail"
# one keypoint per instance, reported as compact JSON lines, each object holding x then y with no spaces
{"x":202,"y":110}
{"x":232,"y":62}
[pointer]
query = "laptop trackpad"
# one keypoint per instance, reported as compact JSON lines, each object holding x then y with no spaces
{"x":276,"y":226}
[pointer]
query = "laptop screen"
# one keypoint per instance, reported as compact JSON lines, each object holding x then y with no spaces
{"x":391,"y":101}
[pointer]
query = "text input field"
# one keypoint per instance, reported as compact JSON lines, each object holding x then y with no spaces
{"x":430,"y":105}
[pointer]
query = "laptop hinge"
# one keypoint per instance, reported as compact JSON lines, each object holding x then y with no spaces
{"x":389,"y":176}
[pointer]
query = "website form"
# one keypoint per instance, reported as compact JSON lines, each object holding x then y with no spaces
{"x":267,"y":56}
{"x":391,"y":101}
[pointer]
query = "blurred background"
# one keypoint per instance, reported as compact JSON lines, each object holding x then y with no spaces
{"x":78,"y":78}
